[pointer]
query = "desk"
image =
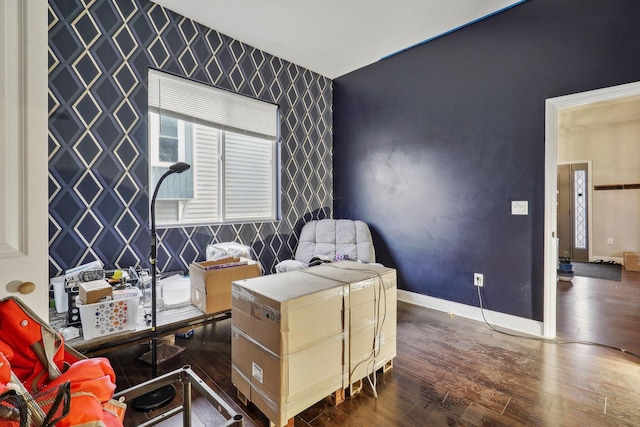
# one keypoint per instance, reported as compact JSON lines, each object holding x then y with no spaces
{"x":168,"y":322}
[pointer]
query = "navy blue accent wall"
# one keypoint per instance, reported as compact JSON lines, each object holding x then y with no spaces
{"x":433,"y":144}
{"x":99,"y":56}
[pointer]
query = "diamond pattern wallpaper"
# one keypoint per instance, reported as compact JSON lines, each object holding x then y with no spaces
{"x":99,"y":55}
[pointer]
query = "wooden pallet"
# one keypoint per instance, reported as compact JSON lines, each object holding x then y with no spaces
{"x":336,"y":398}
{"x":356,"y":386}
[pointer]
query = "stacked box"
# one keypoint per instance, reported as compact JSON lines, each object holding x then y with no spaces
{"x":631,"y":261}
{"x":370,"y":314}
{"x":211,"y":282}
{"x":287,"y":341}
{"x":94,"y":291}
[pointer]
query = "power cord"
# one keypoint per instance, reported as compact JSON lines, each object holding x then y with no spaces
{"x":550,"y":341}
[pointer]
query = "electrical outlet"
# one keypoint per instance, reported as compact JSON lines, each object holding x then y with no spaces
{"x":610,"y":241}
{"x":478,"y":279}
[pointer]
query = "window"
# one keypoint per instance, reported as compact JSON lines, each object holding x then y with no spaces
{"x":169,"y":133}
{"x":231,"y":143}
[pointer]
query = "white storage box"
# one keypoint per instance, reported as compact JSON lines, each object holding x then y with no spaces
{"x":108,"y":317}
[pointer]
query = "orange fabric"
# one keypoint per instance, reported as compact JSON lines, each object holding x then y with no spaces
{"x":111,"y":420}
{"x":18,"y":329}
{"x":92,"y":384}
{"x":5,"y":370}
{"x":27,"y":332}
{"x":116,"y":408}
{"x":93,"y":376}
{"x":84,"y":409}
{"x":6,"y":350}
{"x":92,"y":381}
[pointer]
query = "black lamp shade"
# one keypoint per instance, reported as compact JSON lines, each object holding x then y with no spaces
{"x":179,"y":167}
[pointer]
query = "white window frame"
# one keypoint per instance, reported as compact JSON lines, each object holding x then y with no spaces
{"x":154,"y":134}
{"x":224,"y":112}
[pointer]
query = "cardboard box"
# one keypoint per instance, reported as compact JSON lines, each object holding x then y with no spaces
{"x":632,"y":261}
{"x":211,"y":282}
{"x":283,"y":386}
{"x":294,"y":382}
{"x":94,"y":291}
{"x":371,"y":302}
{"x":372,"y":340}
{"x":287,"y":341}
{"x":299,"y":336}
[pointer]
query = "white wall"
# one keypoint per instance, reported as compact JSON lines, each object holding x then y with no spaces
{"x":613,"y":146}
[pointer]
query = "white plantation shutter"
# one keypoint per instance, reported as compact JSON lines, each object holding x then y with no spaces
{"x":205,"y":206}
{"x":249,"y":177}
{"x":235,"y":152}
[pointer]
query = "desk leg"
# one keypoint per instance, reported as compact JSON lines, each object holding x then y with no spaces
{"x":186,"y":393}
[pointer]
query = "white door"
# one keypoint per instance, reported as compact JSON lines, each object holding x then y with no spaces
{"x":23,"y":152}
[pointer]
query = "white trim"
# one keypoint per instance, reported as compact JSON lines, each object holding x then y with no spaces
{"x":552,"y":108}
{"x":13,"y":92}
{"x":154,"y":141}
{"x":500,"y":320}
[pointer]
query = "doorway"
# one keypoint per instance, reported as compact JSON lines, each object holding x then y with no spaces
{"x":573,"y":211}
{"x":552,"y":109}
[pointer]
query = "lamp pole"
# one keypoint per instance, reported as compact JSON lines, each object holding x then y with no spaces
{"x":165,"y":394}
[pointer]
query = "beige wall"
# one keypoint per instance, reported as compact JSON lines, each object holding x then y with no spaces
{"x":608,"y":136}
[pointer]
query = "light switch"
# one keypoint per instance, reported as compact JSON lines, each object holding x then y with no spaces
{"x":519,"y":207}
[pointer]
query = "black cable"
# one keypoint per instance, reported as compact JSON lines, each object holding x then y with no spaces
{"x":550,"y":341}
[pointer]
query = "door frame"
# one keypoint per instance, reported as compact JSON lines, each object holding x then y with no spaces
{"x":552,"y":107}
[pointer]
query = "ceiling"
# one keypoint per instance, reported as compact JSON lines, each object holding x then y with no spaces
{"x":619,"y":110}
{"x":335,"y":37}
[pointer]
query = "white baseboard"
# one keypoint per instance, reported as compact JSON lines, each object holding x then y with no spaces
{"x":501,"y":320}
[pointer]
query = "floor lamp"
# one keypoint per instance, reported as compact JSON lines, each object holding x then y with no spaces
{"x":163,"y":395}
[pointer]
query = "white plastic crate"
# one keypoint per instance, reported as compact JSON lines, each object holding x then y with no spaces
{"x":108,"y":317}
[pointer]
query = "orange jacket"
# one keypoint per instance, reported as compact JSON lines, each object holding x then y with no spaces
{"x":36,"y":355}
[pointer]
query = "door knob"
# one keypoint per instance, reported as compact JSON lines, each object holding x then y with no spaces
{"x":26,"y":287}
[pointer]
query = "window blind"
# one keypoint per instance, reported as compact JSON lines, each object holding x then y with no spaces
{"x":211,"y":106}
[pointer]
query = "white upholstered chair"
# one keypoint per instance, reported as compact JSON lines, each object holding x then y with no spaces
{"x":328,"y":238}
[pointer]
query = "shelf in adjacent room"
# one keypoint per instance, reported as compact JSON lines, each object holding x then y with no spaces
{"x":617,"y":187}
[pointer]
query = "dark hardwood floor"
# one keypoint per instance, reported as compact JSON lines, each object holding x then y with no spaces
{"x":450,"y":371}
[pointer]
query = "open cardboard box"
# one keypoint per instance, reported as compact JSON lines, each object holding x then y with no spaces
{"x":211,"y":282}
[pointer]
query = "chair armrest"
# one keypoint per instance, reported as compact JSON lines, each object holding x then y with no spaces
{"x":290,"y":265}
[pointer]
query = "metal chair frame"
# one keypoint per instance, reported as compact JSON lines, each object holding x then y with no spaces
{"x":187,"y":378}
